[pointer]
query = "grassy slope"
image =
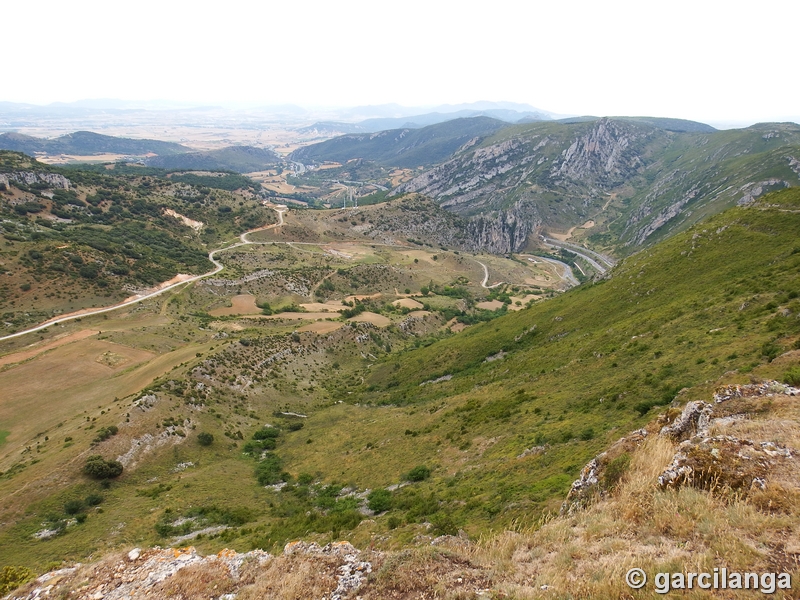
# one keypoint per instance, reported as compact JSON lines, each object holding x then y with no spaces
{"x":674,"y":317}
{"x":711,"y":300}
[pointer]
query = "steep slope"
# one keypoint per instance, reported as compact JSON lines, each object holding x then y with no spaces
{"x":242,"y":159}
{"x":86,"y":142}
{"x":636,"y":182}
{"x":406,"y":148}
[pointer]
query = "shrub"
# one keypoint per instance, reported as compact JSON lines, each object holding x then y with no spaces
{"x":13,"y":577}
{"x":266,"y":433}
{"x":419,"y":473}
{"x":615,"y":470}
{"x":73,"y":507}
{"x":379,"y":500}
{"x":205,"y":439}
{"x":443,"y":524}
{"x":99,"y":468}
{"x":94,"y":499}
{"x":792,"y":376}
{"x":268,"y":471}
{"x":105,"y":432}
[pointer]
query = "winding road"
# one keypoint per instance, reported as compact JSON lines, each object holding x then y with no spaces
{"x":486,"y":277}
{"x":218,"y":266}
{"x":583,"y":253}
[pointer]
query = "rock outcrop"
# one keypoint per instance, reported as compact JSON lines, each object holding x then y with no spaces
{"x":337,"y":570}
{"x":54,"y":180}
{"x":702,"y":460}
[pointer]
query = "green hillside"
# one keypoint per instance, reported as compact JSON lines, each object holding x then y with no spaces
{"x":481,"y":430}
{"x":71,"y":238}
{"x":241,"y":159}
{"x":85,"y":143}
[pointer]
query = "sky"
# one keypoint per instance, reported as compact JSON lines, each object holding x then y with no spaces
{"x":706,"y":60}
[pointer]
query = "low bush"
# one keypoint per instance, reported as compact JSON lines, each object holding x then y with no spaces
{"x":419,"y":473}
{"x":99,"y":468}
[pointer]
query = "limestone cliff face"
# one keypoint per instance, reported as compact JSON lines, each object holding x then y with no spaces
{"x":506,"y":232}
{"x":608,"y":153}
{"x":509,"y":189}
{"x":643,"y":182}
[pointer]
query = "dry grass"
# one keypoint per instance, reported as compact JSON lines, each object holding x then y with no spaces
{"x":586,"y":555}
{"x":293,"y":578}
{"x":197,"y":581}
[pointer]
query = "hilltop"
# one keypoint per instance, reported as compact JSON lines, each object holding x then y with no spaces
{"x":75,"y":238}
{"x":625,"y":182}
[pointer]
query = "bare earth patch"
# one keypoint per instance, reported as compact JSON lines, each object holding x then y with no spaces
{"x":323,"y":306}
{"x":408,"y":303}
{"x":298,"y":316}
{"x":322,"y":327}
{"x":374,"y":318}
{"x":493,"y":305}
{"x":243,"y":304}
{"x":36,"y":349}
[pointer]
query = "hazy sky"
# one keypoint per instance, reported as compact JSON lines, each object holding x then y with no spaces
{"x":707,"y":60}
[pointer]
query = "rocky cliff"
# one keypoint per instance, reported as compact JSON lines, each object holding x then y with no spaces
{"x":638,"y":182}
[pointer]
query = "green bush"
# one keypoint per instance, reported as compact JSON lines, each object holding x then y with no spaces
{"x":73,"y":507}
{"x":379,"y":500}
{"x":615,"y":470}
{"x":792,"y":376}
{"x":105,"y":432}
{"x":266,"y":433}
{"x":99,"y":468}
{"x":443,"y":524}
{"x":205,"y":438}
{"x":419,"y":473}
{"x":13,"y":577}
{"x":268,"y":470}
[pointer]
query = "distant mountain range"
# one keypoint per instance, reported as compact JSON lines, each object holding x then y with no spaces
{"x":393,"y":116}
{"x":242,"y":159}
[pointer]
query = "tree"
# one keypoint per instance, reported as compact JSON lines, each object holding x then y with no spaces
{"x":205,"y":439}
